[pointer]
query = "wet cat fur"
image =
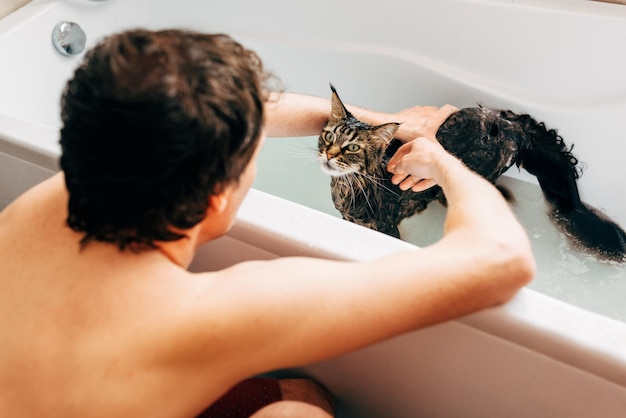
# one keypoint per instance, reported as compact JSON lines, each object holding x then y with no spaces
{"x":488,"y":141}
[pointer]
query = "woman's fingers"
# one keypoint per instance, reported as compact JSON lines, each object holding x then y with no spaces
{"x":405,"y":182}
{"x":411,"y":163}
{"x":398,"y":178}
{"x":424,"y":184}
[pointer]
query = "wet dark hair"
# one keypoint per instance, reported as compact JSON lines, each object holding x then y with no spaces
{"x":153,"y":124}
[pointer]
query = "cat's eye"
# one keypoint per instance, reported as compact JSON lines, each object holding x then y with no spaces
{"x":353,"y":147}
{"x":329,"y":137}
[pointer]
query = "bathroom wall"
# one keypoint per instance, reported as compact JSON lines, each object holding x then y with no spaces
{"x":9,"y":6}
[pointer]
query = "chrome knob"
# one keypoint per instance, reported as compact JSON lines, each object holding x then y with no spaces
{"x":68,"y":38}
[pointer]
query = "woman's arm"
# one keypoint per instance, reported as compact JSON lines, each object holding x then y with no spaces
{"x":294,"y":311}
{"x":290,"y":114}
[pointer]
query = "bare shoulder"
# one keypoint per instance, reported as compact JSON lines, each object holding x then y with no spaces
{"x":34,"y":200}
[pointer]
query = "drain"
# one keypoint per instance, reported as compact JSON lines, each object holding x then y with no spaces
{"x":68,"y":38}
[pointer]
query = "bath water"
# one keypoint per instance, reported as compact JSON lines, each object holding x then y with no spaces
{"x":288,"y":168}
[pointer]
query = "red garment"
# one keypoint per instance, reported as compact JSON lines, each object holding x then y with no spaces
{"x":244,"y":399}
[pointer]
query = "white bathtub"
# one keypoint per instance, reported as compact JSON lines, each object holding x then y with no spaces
{"x":563,"y":61}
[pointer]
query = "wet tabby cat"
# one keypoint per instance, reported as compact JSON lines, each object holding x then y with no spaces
{"x":355,"y":155}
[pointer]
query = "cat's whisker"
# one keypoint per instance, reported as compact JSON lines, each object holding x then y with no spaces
{"x":307,"y":164}
{"x":310,"y":148}
{"x":380,"y":182}
{"x":361,"y":186}
{"x":290,"y":145}
{"x":298,"y":165}
{"x":289,"y":154}
{"x":348,"y":178}
{"x":298,"y":157}
{"x":298,"y":153}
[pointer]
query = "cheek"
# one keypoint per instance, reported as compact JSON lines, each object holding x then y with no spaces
{"x":253,"y":171}
{"x":249,"y":175}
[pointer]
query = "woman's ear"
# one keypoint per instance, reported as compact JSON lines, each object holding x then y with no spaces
{"x":218,"y":202}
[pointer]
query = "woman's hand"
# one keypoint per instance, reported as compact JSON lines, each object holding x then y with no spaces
{"x":418,"y":130}
{"x":418,"y":164}
{"x":421,"y":121}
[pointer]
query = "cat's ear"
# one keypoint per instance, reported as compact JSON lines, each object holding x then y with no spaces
{"x":338,"y":111}
{"x":387,"y":131}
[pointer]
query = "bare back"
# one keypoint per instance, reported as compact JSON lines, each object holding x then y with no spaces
{"x":86,"y":333}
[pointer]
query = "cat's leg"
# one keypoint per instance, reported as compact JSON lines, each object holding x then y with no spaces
{"x":389,"y":228}
{"x":386,"y":226}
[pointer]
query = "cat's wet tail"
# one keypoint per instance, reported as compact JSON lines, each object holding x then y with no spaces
{"x":545,"y":155}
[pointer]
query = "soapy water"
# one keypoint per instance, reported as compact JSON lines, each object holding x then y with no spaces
{"x":288,"y":169}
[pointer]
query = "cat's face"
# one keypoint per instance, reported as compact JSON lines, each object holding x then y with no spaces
{"x":341,"y":153}
{"x":347,"y":146}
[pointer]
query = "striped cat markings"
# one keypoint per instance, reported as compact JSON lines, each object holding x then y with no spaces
{"x":355,"y":155}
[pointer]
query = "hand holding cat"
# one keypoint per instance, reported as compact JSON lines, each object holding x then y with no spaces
{"x":421,"y":121}
{"x":417,"y":164}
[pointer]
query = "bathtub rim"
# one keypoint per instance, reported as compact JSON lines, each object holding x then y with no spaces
{"x":33,"y":142}
{"x":572,"y":335}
